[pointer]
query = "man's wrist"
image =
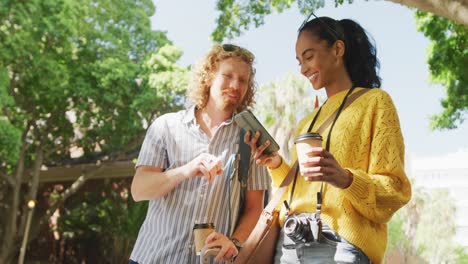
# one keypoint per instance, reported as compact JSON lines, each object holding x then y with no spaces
{"x":236,"y":243}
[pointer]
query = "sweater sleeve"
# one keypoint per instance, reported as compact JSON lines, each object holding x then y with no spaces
{"x":378,"y":193}
{"x":278,"y":174}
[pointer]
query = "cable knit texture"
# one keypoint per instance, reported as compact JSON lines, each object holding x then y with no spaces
{"x":367,"y":141}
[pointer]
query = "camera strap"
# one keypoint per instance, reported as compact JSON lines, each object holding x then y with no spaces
{"x":347,"y":100}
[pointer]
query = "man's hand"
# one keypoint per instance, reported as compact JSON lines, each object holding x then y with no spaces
{"x":226,"y":246}
{"x":205,"y":165}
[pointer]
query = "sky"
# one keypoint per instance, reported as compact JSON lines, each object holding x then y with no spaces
{"x":400,"y":48}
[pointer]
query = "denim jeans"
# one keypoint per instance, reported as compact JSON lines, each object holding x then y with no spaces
{"x":287,"y":252}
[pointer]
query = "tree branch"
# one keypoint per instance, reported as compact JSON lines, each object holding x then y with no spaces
{"x":456,"y":10}
{"x":70,"y":191}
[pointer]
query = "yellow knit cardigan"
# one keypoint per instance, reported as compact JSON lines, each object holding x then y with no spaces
{"x":367,"y":141}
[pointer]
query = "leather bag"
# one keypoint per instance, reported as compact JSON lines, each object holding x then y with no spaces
{"x":260,"y":246}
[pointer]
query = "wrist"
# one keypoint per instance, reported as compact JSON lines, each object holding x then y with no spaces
{"x":349,"y":178}
{"x":275,"y":162}
{"x":236,"y":243}
{"x":182,"y":173}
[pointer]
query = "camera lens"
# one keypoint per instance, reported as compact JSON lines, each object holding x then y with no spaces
{"x":291,"y":226}
{"x":298,"y":228}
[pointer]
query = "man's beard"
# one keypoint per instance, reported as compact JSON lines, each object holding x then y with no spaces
{"x":230,"y":106}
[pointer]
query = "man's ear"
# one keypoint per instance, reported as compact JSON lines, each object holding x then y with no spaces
{"x":339,"y":48}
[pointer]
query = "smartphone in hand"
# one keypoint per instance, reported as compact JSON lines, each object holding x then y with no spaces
{"x":247,"y":121}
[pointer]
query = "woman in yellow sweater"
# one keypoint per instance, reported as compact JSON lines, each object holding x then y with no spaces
{"x":361,"y":159}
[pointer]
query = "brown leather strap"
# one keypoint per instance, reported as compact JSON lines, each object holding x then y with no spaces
{"x":330,"y":119}
{"x":281,"y":190}
{"x":290,"y":176}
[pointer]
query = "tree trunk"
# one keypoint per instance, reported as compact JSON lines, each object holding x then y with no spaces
{"x":32,"y":195}
{"x":44,"y":219}
{"x":456,"y":10}
{"x":10,"y":181}
{"x":11,"y":223}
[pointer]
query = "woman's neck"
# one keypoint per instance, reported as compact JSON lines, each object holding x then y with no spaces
{"x":339,"y":85}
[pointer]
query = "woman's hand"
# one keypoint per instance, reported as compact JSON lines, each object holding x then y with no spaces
{"x":321,"y":161}
{"x":272,"y":161}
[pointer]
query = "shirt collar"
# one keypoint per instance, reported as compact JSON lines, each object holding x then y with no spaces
{"x":189,"y":116}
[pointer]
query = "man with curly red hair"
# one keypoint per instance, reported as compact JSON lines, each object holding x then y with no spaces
{"x":182,"y":166}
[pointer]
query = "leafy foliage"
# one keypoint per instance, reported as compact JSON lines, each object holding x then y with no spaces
{"x":109,"y":219}
{"x":236,"y":16}
{"x":448,"y":52}
{"x":437,"y":221}
{"x":448,"y":65}
{"x":86,"y":74}
{"x":10,"y":142}
{"x":396,"y":234}
{"x":426,"y":227}
{"x":166,"y":83}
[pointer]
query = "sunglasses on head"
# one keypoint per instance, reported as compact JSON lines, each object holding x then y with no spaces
{"x":330,"y":29}
{"x":233,"y":48}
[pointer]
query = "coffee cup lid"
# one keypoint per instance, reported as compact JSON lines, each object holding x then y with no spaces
{"x":310,"y":135}
{"x":203,"y":226}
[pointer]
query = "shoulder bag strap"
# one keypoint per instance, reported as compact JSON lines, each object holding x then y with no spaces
{"x":243,"y":167}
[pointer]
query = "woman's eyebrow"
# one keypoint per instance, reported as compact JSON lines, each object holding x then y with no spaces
{"x":305,"y":51}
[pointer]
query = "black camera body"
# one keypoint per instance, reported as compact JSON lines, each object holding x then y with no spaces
{"x":303,"y":228}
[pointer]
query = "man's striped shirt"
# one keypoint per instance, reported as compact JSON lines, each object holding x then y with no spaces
{"x":172,"y":141}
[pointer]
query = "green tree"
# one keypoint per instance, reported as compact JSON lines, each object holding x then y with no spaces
{"x":403,"y":226}
{"x":103,"y":226}
{"x":436,"y":229}
{"x":448,"y":65}
{"x":425,"y":228}
{"x":75,"y":73}
{"x":448,"y":52}
{"x":236,"y":15}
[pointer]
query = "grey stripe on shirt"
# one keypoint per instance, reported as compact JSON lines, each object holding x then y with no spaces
{"x":172,"y":141}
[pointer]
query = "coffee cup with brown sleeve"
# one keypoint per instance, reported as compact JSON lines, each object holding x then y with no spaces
{"x":200,"y":233}
{"x":304,"y":144}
